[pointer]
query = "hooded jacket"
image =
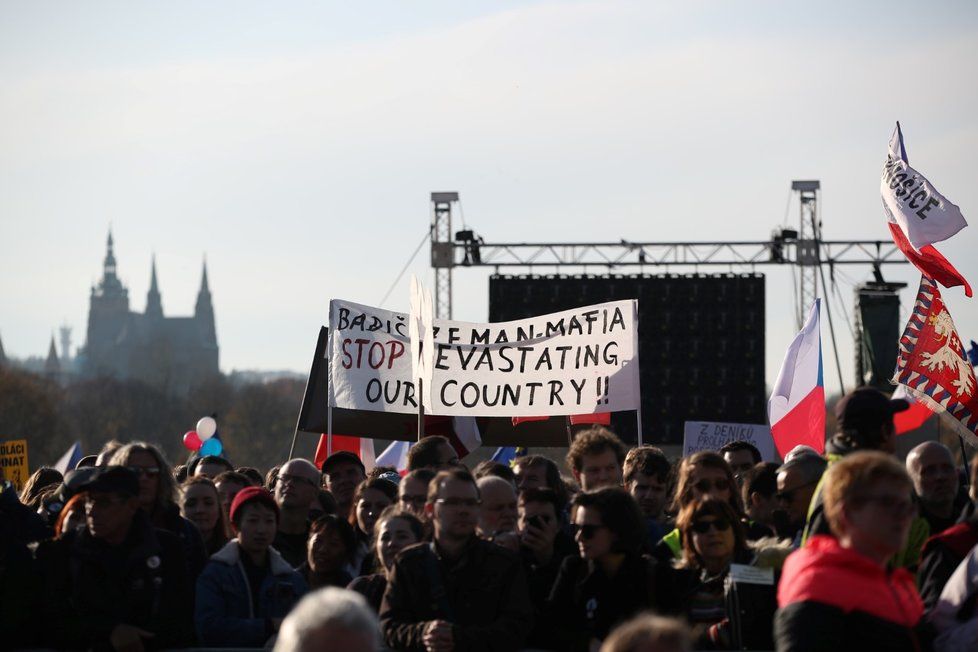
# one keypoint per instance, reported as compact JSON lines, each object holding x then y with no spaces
{"x":833,"y":598}
{"x":224,"y":612}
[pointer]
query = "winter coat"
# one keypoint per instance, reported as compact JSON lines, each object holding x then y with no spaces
{"x":816,"y":523}
{"x":224,"y":614}
{"x":483,"y":594}
{"x":586,"y":604}
{"x":833,"y":598}
{"x":89,"y":588}
{"x":955,"y":617}
{"x":941,"y":556}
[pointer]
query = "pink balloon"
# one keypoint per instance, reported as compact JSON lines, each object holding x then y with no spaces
{"x":191,"y":441}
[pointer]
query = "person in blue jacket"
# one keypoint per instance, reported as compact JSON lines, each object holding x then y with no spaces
{"x":247,"y":588}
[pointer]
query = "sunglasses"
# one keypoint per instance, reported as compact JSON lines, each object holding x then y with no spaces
{"x":788,"y":495}
{"x":586,"y":531}
{"x":702,"y":527}
{"x":704,"y":486}
{"x":148,"y":471}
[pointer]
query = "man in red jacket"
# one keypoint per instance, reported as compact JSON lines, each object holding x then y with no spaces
{"x":837,"y":592}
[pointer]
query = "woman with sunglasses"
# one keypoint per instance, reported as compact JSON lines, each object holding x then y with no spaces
{"x":838,"y":591}
{"x":158,"y":498}
{"x":395,"y":530}
{"x":704,"y":475}
{"x":712,"y":538}
{"x":609,"y":581}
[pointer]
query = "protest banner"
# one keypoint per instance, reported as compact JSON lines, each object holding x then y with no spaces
{"x":13,"y":461}
{"x":711,"y":436}
{"x":369,"y":359}
{"x":578,"y":361}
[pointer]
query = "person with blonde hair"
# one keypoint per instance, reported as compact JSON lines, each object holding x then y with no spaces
{"x":838,"y":592}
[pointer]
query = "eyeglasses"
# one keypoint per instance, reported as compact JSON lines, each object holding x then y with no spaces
{"x":720,"y":484}
{"x":459,"y":502}
{"x":788,"y":495}
{"x":148,"y":471}
{"x":702,"y":527}
{"x":586,"y":531}
{"x":897,"y":506}
{"x":285,"y":479}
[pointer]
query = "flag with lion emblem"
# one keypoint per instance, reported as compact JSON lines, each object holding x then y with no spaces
{"x":932,"y":364}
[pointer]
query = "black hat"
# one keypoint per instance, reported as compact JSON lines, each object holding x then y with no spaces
{"x":76,"y":480}
{"x":342,"y":456}
{"x":114,"y":479}
{"x":866,"y":408}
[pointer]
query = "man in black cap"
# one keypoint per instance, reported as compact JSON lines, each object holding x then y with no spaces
{"x":864,"y":422}
{"x":117,"y":584}
{"x":342,"y":472}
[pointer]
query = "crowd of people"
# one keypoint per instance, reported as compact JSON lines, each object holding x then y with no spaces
{"x":632,"y":552}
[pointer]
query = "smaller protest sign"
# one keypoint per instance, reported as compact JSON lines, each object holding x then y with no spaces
{"x":13,"y":461}
{"x":711,"y":436}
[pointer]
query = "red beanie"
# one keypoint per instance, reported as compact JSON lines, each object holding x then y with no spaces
{"x":252,"y":495}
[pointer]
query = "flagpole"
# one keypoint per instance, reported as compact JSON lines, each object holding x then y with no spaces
{"x":828,"y":301}
{"x":329,"y":427}
{"x":420,"y":409}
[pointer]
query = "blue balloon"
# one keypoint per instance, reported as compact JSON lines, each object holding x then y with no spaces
{"x":211,"y":447}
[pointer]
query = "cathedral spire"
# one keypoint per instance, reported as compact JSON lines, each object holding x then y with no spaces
{"x":204,"y":310}
{"x":154,"y":306}
{"x":51,"y":365}
{"x":109,"y":265}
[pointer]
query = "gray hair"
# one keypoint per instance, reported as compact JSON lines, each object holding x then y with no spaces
{"x":167,"y":488}
{"x":811,"y":467}
{"x":327,"y":606}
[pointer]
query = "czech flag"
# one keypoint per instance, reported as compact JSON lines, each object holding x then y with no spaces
{"x":913,"y":417}
{"x":362,"y":447}
{"x":396,"y":455}
{"x":796,"y":409}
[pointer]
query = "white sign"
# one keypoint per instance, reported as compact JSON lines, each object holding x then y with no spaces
{"x":577,"y":361}
{"x":369,"y":359}
{"x":910,"y":200}
{"x":741,"y":574}
{"x":711,"y":436}
{"x":574,"y":362}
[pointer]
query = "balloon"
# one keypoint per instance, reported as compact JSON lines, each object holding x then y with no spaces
{"x":191,"y":441}
{"x":206,"y":428}
{"x":211,"y":447}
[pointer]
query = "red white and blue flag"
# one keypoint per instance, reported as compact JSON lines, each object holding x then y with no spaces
{"x":932,"y":364}
{"x":362,"y":447}
{"x":796,"y":409}
{"x":396,"y":455}
{"x":914,"y":416}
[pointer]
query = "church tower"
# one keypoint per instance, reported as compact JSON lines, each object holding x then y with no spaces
{"x":107,"y":316}
{"x":204,"y":315}
{"x":154,"y":307}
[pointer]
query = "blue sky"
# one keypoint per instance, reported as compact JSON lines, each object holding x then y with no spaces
{"x":296,"y":144}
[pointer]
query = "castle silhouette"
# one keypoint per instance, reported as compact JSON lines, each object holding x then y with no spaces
{"x":171,"y":353}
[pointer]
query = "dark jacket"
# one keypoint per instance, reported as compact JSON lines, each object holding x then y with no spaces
{"x":483,"y":594}
{"x":585,"y":603}
{"x":194,"y":549}
{"x":941,"y":556}
{"x":833,"y":598}
{"x":540,"y":579}
{"x":90,"y":587}
{"x":224,"y":613}
{"x":372,"y":588}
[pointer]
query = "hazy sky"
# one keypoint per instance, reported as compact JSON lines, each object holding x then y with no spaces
{"x":296,"y":144}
